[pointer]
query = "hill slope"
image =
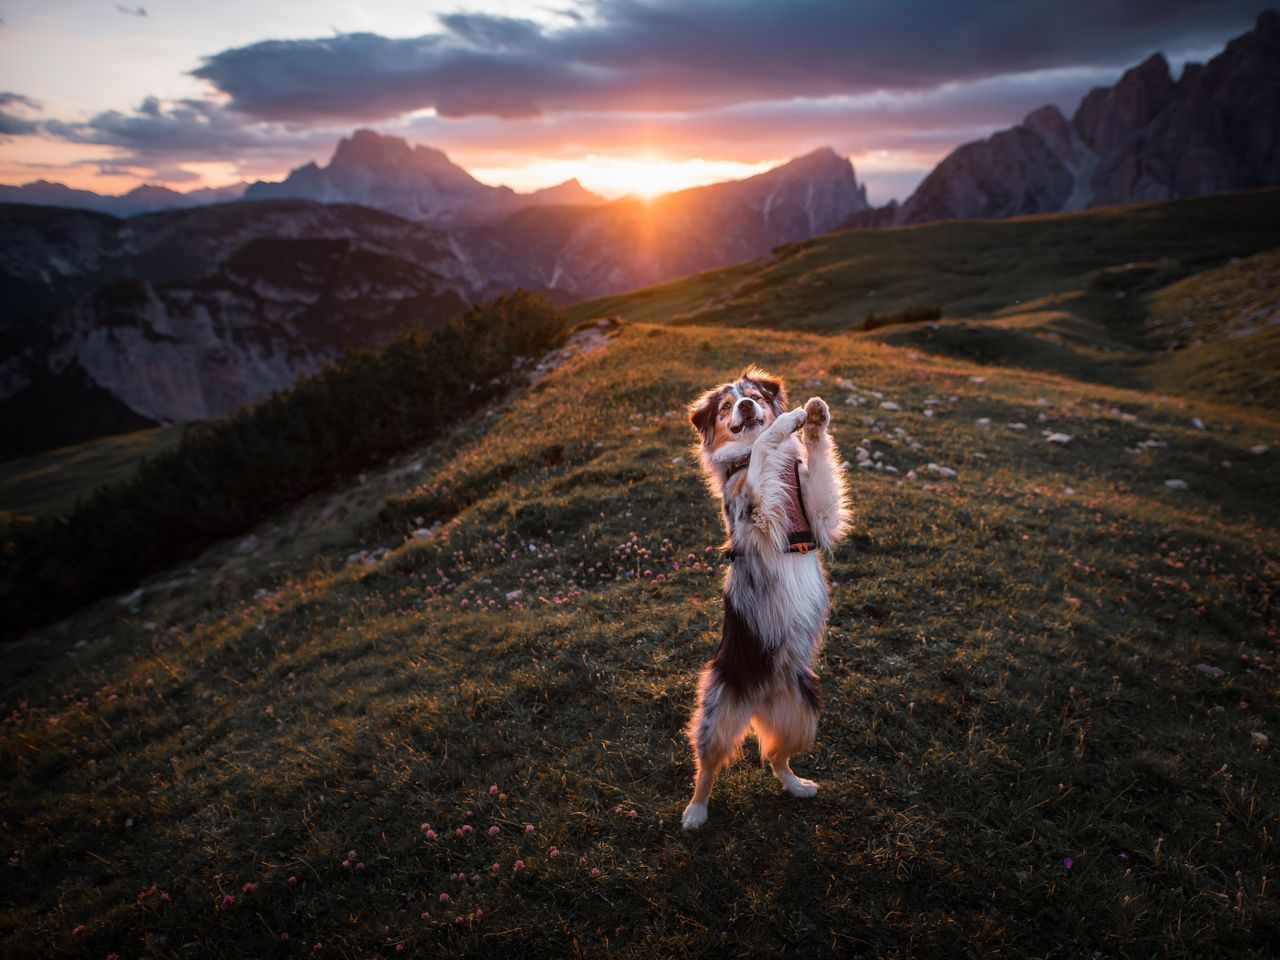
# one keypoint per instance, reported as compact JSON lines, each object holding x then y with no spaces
{"x":1020,"y":749}
{"x":1069,"y":293}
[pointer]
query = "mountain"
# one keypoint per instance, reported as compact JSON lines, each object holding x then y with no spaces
{"x":111,"y":324}
{"x":575,"y":252}
{"x":1149,"y":137}
{"x":183,"y":315}
{"x":417,"y":182}
{"x":147,"y":198}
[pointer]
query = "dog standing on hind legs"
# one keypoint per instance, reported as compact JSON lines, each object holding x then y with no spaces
{"x":784,"y":499}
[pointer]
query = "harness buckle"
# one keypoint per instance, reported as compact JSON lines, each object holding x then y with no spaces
{"x":802,"y":548}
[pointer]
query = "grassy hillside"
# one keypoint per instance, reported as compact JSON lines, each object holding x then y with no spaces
{"x":1088,"y":295}
{"x":969,"y":268}
{"x":1050,"y":718}
{"x":51,"y":482}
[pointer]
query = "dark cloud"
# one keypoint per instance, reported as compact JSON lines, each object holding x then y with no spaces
{"x":673,"y":56}
{"x":12,"y":124}
{"x":161,"y":135}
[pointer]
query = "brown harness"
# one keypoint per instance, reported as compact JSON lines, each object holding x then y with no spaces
{"x":800,"y":538}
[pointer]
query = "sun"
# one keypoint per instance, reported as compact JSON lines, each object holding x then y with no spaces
{"x":643,"y":174}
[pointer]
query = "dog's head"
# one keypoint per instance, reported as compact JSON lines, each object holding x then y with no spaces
{"x":730,"y":417}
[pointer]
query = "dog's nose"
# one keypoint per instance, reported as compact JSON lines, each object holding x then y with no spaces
{"x":746,"y":405}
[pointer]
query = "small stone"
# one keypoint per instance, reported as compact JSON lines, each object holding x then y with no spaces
{"x":1176,"y":484}
{"x":984,"y":421}
{"x":1017,"y":426}
{"x":1059,"y":438}
{"x":1209,"y":670}
{"x":1259,"y":738}
{"x":1197,"y":423}
{"x":514,"y":595}
{"x":1259,"y":450}
{"x":676,"y":461}
{"x":889,"y":405}
{"x":846,"y":466}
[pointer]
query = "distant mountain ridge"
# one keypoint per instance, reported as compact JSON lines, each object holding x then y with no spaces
{"x":1149,"y":137}
{"x":147,"y":198}
{"x":574,"y":252}
{"x":412,"y":181}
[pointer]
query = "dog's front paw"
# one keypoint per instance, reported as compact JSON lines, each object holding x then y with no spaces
{"x":791,"y":421}
{"x":695,"y":815}
{"x":816,"y":417}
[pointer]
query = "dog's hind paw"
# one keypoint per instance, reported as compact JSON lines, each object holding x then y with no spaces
{"x":695,"y":815}
{"x":800,"y":787}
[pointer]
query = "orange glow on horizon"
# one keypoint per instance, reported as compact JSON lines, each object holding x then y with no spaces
{"x":642,"y":175}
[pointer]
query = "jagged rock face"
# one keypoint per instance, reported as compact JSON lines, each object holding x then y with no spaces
{"x":416,"y":182}
{"x":184,"y":316}
{"x":1216,"y":128}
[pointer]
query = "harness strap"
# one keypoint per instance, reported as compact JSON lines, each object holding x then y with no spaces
{"x":801,"y":541}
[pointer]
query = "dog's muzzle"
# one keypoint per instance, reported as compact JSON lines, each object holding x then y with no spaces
{"x":747,"y":408}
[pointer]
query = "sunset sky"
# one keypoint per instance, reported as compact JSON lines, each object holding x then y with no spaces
{"x":625,"y":95}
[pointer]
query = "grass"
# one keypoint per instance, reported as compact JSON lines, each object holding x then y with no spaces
{"x":1020,"y":753}
{"x":52,"y":482}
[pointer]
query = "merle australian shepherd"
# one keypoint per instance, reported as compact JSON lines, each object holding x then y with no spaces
{"x":775,"y":472}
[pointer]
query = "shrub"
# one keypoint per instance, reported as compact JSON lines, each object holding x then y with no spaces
{"x":229,"y":474}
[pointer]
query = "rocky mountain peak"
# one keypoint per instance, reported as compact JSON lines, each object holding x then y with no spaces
{"x":1109,"y":115}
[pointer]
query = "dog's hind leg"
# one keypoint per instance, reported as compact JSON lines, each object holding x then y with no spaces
{"x":715,"y":732}
{"x":786,"y":723}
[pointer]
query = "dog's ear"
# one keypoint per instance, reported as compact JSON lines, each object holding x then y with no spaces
{"x":774,"y":389}
{"x":702,"y":413}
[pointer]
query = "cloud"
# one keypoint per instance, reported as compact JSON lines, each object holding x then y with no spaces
{"x":132,"y":11}
{"x":11,"y":123}
{"x":673,"y":56}
{"x":162,"y":135}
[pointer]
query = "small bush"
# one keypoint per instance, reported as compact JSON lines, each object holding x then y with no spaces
{"x":227,"y":475}
{"x":920,"y":313}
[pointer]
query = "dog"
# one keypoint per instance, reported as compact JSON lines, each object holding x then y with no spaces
{"x":783,"y":500}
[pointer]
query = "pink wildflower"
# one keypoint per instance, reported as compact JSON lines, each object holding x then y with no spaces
{"x":494,"y":830}
{"x":292,"y":881}
{"x":444,"y":898}
{"x":495,"y":868}
{"x":1068,"y":863}
{"x":77,"y":930}
{"x":595,"y":871}
{"x":430,"y":834}
{"x":346,"y":864}
{"x":249,"y":887}
{"x":493,"y":788}
{"x":227,"y":901}
{"x":518,"y":865}
{"x":528,"y":828}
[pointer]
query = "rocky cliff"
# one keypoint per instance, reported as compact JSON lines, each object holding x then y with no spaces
{"x":181,"y":316}
{"x":1149,"y":137}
